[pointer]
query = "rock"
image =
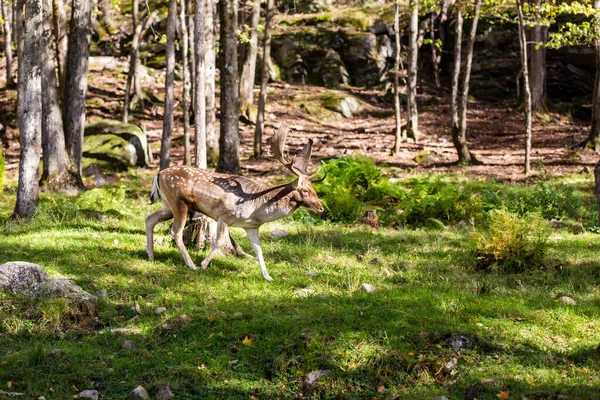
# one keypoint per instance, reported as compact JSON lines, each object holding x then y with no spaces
{"x":30,"y":280}
{"x":361,"y":58}
{"x":458,"y":343}
{"x":139,"y":393}
{"x":365,"y":287}
{"x":305,"y":6}
{"x":439,"y":398}
{"x":312,"y":377}
{"x":485,"y":389}
{"x":381,"y":28}
{"x":160,"y":310}
{"x":56,"y":354}
{"x":117,"y":145}
{"x":128,"y":345}
{"x":304,"y":292}
{"x":387,"y":272}
{"x":311,"y":274}
{"x":163,"y":392}
{"x":585,"y":170}
{"x":101,"y":294}
{"x":449,"y":366}
{"x":279,"y":233}
{"x":332,"y":70}
{"x":567,"y":300}
{"x":88,"y":394}
{"x":375,"y":261}
{"x":123,"y":331}
{"x":237,"y":315}
{"x":345,"y":105}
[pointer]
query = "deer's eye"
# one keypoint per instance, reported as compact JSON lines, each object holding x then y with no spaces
{"x":304,"y":192}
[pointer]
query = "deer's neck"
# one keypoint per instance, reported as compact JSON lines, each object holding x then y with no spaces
{"x":278,"y":202}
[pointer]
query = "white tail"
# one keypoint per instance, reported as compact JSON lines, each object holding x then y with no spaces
{"x":231,"y":200}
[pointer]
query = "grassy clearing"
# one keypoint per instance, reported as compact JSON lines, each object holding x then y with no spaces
{"x":243,"y":336}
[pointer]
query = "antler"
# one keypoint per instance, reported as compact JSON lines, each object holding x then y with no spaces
{"x":299,"y":163}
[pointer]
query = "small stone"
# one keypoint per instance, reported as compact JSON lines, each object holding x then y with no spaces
{"x":184,"y":318}
{"x":123,"y":331}
{"x":279,"y":233}
{"x":56,"y":354}
{"x":439,"y":398}
{"x":167,"y":327}
{"x":568,"y":300}
{"x":585,"y":170}
{"x":101,"y":294}
{"x":311,"y":274}
{"x":160,"y":310}
{"x":312,"y":378}
{"x":375,"y":261}
{"x":451,"y":364}
{"x":237,"y":315}
{"x":368,"y":288}
{"x":304,"y":292}
{"x":88,"y":394}
{"x":163,"y":392}
{"x":139,"y":393}
{"x":562,"y":397}
{"x":387,"y":272}
{"x":128,"y":345}
{"x":459,"y":342}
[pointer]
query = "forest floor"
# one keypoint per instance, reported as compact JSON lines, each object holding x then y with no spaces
{"x":496,"y":130}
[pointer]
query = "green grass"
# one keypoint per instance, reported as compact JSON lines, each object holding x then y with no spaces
{"x":385,"y":344}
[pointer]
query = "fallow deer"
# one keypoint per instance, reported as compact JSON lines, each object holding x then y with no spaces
{"x":232,"y":201}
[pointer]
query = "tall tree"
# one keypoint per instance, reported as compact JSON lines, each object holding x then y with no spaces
{"x":537,"y":66}
{"x":264,"y":79}
{"x":413,"y":54}
{"x":210,"y":35}
{"x":249,"y":67}
{"x":199,"y":85}
{"x":229,"y":140}
{"x":10,"y":81}
{"x":60,"y":35}
{"x":460,"y":105}
{"x":58,"y":170}
{"x":594,"y":135}
{"x":18,"y":28}
{"x":185,"y":51}
{"x":76,"y":80}
{"x":397,"y":106}
{"x":28,"y":186}
{"x":527,"y":87}
{"x":167,"y":134}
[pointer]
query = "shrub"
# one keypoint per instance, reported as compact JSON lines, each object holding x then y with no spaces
{"x":102,"y":200}
{"x":551,"y":200}
{"x":511,"y":243}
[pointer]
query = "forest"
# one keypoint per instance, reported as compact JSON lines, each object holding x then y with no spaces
{"x":426,"y":175}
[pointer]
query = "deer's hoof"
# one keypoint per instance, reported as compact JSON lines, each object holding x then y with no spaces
{"x":268,"y":278}
{"x":192,"y":267}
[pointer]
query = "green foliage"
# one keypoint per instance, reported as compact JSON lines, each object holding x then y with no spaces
{"x":102,"y":199}
{"x":556,"y":201}
{"x":511,"y":243}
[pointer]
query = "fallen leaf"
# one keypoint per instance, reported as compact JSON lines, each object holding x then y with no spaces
{"x":503,"y":395}
{"x":411,"y":353}
{"x":381,"y":389}
{"x":248,"y":341}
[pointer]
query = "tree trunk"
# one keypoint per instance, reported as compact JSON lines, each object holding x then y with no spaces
{"x":537,"y":67}
{"x":28,"y":186}
{"x":200,"y":85}
{"x":594,"y":135}
{"x":526,"y":87}
{"x":397,"y":105}
{"x":597,"y":181}
{"x":264,"y":79}
{"x":189,"y":5}
{"x":460,"y":141}
{"x":76,"y":80}
{"x":185,"y":50}
{"x":18,"y":26}
{"x":212,"y":141}
{"x":134,"y":60}
{"x":437,"y":55}
{"x":106,"y":17}
{"x":229,"y":140}
{"x":249,"y":68}
{"x":60,"y":35}
{"x":454,"y":101}
{"x":165,"y":146}
{"x":58,"y":172}
{"x":413,"y":54}
{"x":10,"y":81}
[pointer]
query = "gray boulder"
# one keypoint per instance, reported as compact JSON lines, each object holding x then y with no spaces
{"x":30,"y":280}
{"x":332,"y":70}
{"x":116,"y":145}
{"x":348,"y":105}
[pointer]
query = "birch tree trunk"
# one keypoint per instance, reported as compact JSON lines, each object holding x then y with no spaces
{"x":10,"y":81}
{"x":28,"y":185}
{"x":229,"y":140}
{"x":526,"y":88}
{"x":167,"y":134}
{"x":413,"y":54}
{"x":212,"y":141}
{"x":76,"y":80}
{"x":200,"y":85}
{"x":264,"y":80}
{"x":594,"y":135}
{"x":249,"y":68}
{"x":60,"y":35}
{"x":18,"y":27}
{"x":58,"y":170}
{"x":185,"y":50}
{"x":459,"y":137}
{"x":397,"y":105}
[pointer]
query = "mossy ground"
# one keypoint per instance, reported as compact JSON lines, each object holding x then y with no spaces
{"x":246,"y":337}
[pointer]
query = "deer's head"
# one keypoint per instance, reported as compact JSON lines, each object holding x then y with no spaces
{"x":304,"y":194}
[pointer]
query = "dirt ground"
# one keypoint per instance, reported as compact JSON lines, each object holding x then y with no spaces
{"x":496,"y":130}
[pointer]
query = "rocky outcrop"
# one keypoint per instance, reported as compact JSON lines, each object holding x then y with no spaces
{"x":30,"y":280}
{"x":116,"y":145}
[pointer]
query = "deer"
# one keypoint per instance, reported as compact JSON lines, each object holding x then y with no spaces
{"x":231,"y":200}
{"x":100,"y":177}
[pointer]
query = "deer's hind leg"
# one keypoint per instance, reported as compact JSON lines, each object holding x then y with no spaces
{"x":218,"y":243}
{"x":164,"y":214}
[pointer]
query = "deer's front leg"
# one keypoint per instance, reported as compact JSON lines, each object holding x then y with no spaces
{"x":161,"y":215}
{"x":255,"y":240}
{"x":218,"y":243}
{"x":180,"y":215}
